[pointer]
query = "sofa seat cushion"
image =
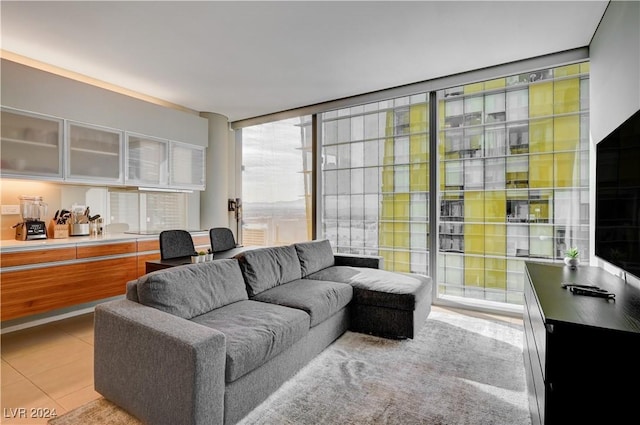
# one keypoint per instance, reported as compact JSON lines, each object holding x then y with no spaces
{"x":191,"y":290}
{"x":265,"y":268}
{"x":320,"y":299}
{"x":379,"y":287}
{"x":255,"y":333}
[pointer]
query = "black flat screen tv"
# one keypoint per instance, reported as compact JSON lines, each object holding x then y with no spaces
{"x":618,"y":197}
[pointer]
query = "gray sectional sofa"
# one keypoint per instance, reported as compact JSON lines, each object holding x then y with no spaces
{"x":206,"y":343}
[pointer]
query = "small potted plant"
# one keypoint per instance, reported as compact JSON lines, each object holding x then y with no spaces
{"x":209,"y":254}
{"x":571,"y":257}
{"x":202,"y":256}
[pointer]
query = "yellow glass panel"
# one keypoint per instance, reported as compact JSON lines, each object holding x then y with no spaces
{"x":386,"y":234}
{"x":495,"y":239}
{"x":541,"y":170}
{"x":585,"y":67}
{"x":473,"y":206}
{"x":495,"y":84}
{"x":402,"y":261}
{"x":441,"y":166}
{"x":389,"y":125}
{"x":541,"y":135}
{"x":539,"y":210}
{"x":474,"y":271}
{"x":473,"y":88}
{"x":566,"y":96}
{"x":441,"y":113}
{"x":564,"y":71}
{"x":418,"y":118}
{"x":495,"y":273}
{"x":387,"y":179}
{"x":419,"y":177}
{"x":387,"y":257}
{"x":388,"y":157}
{"x":387,"y":207}
{"x":401,"y":206}
{"x":418,"y":147}
{"x":401,"y":235}
{"x":566,"y":132}
{"x":567,"y":169}
{"x":495,"y":206}
{"x":474,"y":238}
{"x":541,"y":99}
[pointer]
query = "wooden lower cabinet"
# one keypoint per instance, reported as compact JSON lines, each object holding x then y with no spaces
{"x":38,"y":290}
{"x":34,"y":281}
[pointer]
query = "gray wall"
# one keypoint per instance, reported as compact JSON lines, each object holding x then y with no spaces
{"x":34,"y":90}
{"x":614,"y":85}
{"x":615,"y":68}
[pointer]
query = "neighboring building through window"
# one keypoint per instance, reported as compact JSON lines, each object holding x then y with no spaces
{"x":375,"y":181}
{"x":513,"y":179}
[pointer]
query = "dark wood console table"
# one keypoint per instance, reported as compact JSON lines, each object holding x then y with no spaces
{"x":581,"y":353}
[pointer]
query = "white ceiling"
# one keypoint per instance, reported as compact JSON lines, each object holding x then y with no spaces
{"x":244,"y":59}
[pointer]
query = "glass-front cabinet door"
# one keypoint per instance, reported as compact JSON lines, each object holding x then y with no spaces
{"x":147,"y":161}
{"x":31,"y":145}
{"x":93,"y":154}
{"x":187,"y":164}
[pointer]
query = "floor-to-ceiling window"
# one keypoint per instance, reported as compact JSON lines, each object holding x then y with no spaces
{"x":276,"y":182}
{"x":513,"y":158}
{"x":514,"y":179}
{"x":512,"y":166}
{"x":375,"y":181}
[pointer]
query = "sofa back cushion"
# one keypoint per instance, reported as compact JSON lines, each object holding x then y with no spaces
{"x":314,"y":256}
{"x":265,"y":268}
{"x":191,"y":290}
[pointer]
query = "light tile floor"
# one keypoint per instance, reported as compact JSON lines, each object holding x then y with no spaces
{"x":46,"y":369}
{"x":49,"y":368}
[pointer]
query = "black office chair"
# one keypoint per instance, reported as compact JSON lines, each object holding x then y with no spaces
{"x":176,"y":244}
{"x":221,"y":239}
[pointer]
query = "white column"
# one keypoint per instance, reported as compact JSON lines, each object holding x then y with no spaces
{"x":213,"y":201}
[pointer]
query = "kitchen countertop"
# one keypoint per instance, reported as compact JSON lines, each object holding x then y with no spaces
{"x":12,"y":245}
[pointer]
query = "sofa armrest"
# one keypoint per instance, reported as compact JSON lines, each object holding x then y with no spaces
{"x":354,"y":260}
{"x":159,"y":367}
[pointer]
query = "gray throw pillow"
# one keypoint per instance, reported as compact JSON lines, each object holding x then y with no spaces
{"x":314,"y":256}
{"x":265,"y":268}
{"x":191,"y":290}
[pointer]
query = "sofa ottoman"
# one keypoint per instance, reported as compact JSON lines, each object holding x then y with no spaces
{"x":389,"y":304}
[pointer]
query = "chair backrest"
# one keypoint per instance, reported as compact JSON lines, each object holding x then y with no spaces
{"x":175,"y":244}
{"x":221,"y":239}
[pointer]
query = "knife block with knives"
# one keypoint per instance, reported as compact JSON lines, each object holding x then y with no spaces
{"x":58,"y":227}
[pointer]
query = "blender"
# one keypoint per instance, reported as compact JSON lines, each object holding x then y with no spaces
{"x":32,"y":208}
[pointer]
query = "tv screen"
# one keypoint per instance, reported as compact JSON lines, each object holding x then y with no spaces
{"x":618,"y":197}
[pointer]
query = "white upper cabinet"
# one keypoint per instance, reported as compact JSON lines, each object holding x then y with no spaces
{"x":94,"y":154}
{"x":42,"y":147}
{"x":187,"y":166}
{"x":147,"y":161}
{"x":31,"y":145}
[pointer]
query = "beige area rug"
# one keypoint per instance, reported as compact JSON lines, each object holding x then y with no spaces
{"x":460,"y":369}
{"x":100,"y":411}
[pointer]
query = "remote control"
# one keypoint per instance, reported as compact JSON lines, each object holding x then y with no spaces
{"x":578,"y":285}
{"x":592,"y":292}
